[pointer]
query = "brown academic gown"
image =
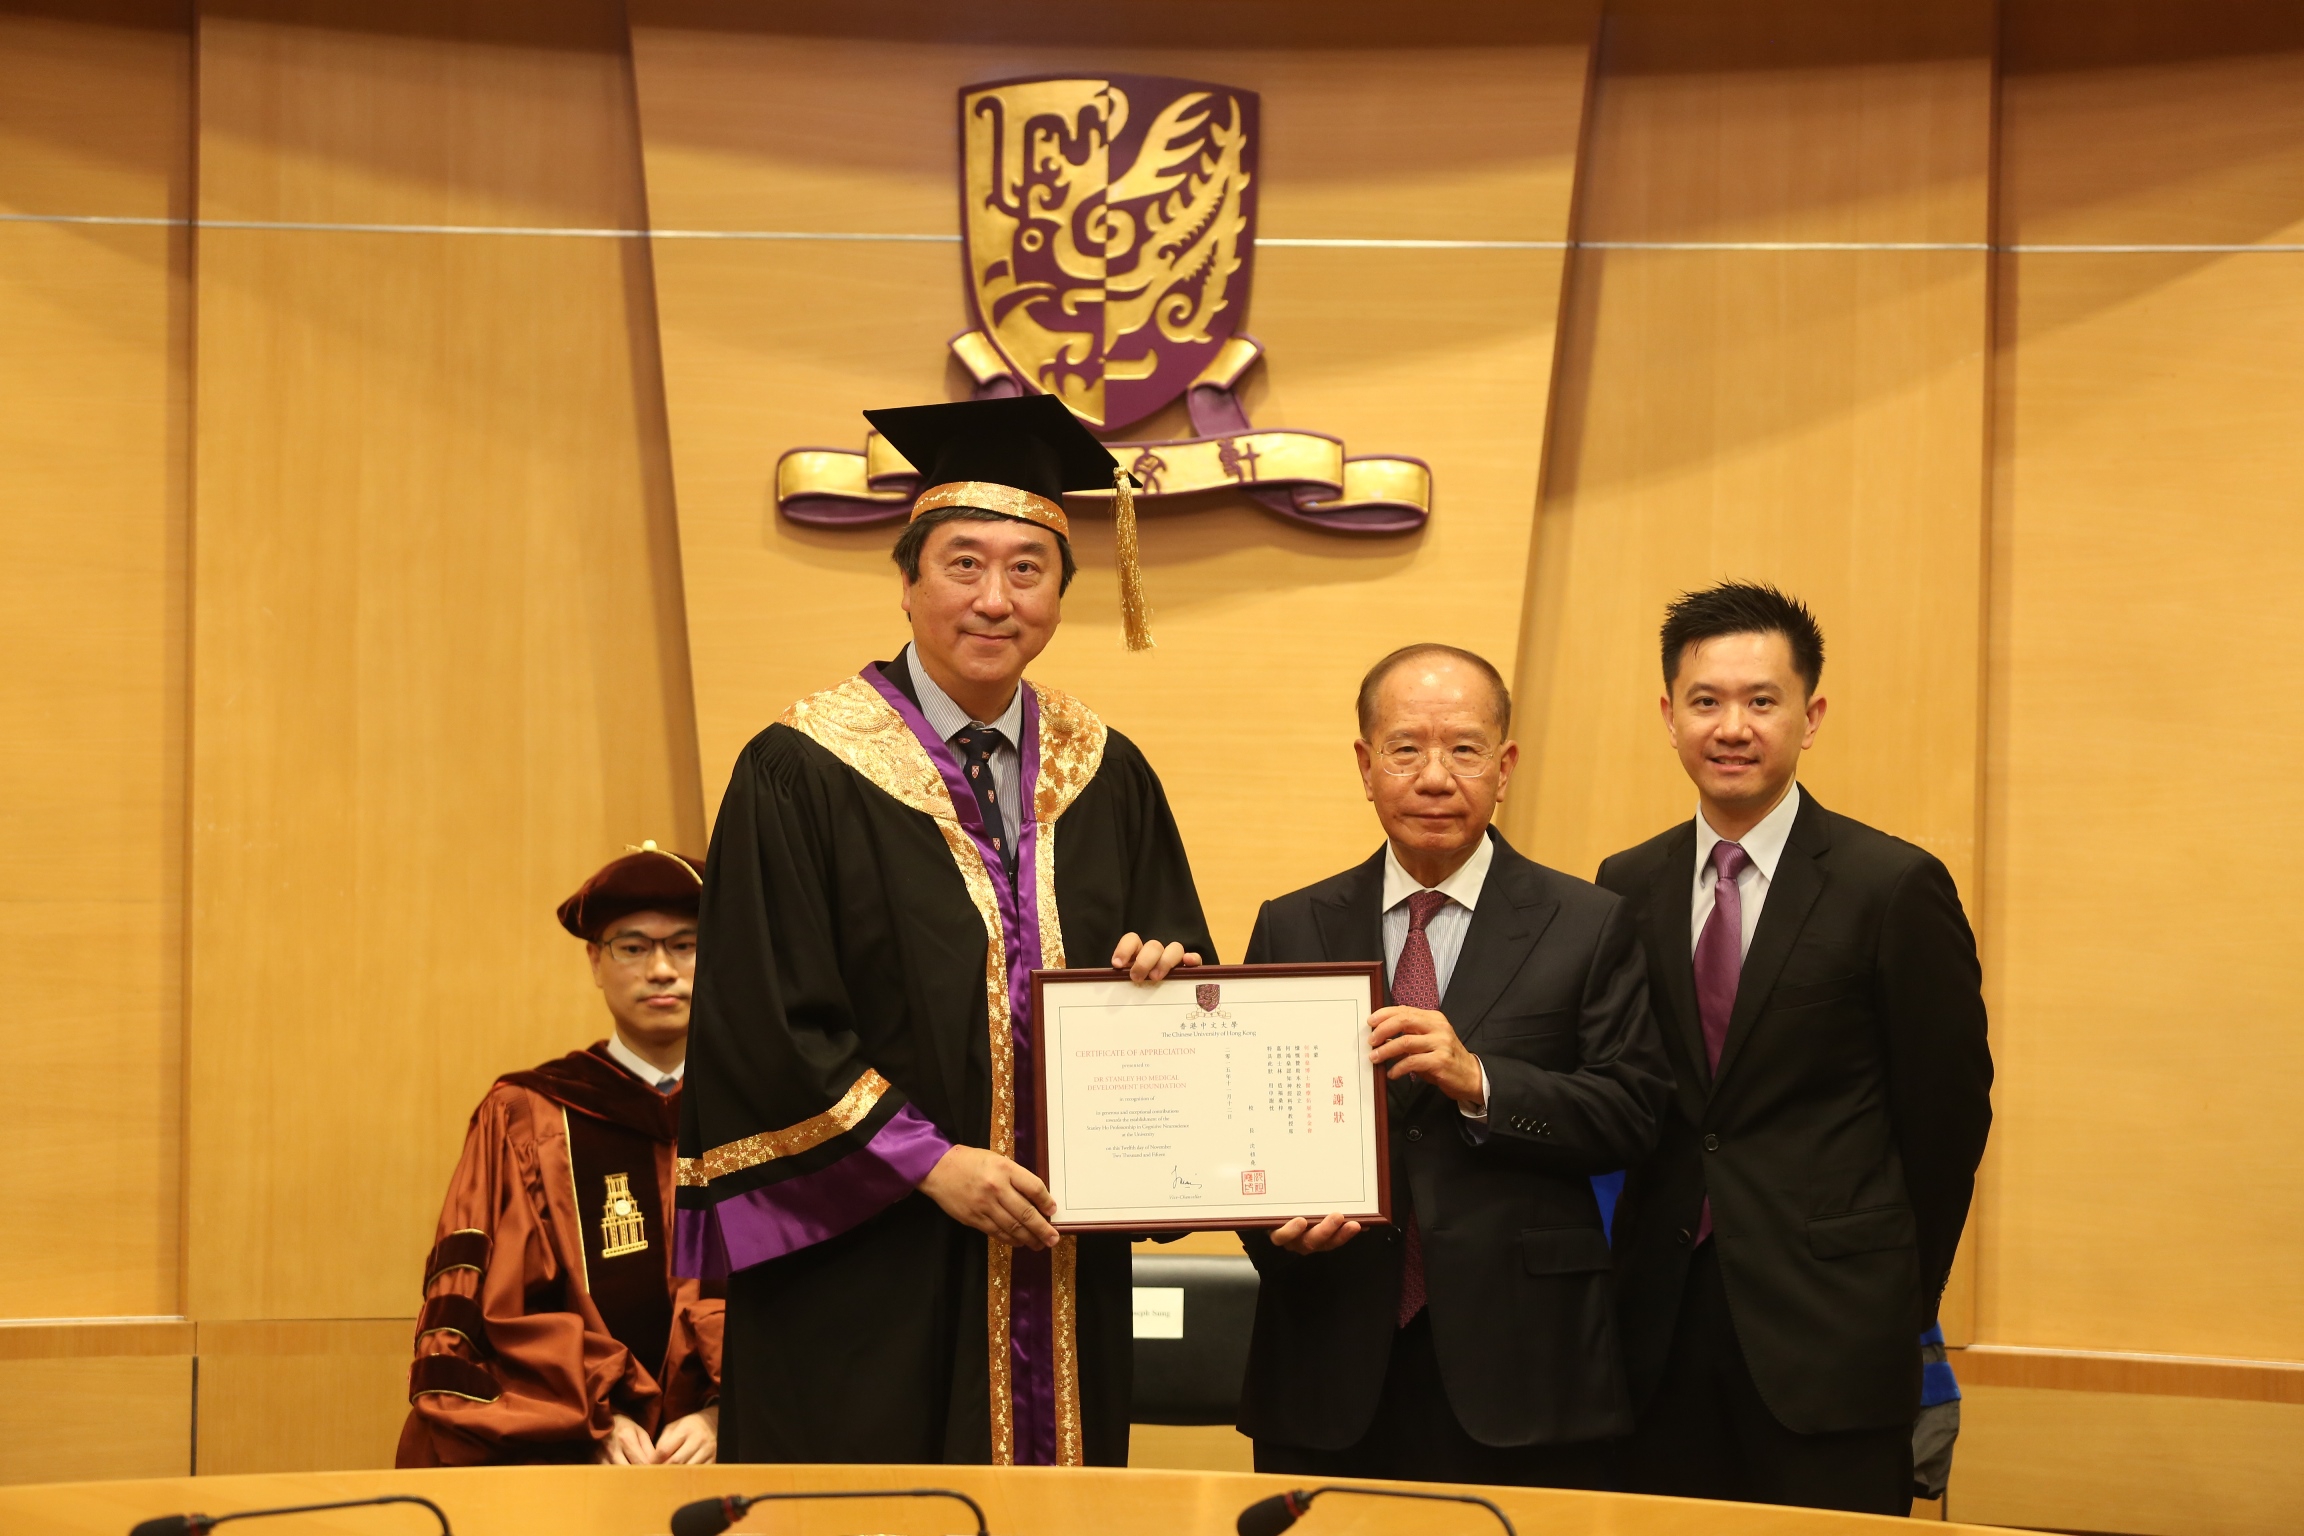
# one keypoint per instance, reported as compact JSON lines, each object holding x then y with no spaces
{"x":549,"y":1303}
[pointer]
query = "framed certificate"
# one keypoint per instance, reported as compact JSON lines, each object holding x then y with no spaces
{"x":1225,"y":1096}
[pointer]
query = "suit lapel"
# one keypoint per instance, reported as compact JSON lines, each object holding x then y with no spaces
{"x":1791,"y":896}
{"x":1351,"y":923}
{"x":1512,"y":915}
{"x":1670,"y":903}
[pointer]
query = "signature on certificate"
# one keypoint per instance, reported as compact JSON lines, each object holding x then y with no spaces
{"x":1177,"y":1181}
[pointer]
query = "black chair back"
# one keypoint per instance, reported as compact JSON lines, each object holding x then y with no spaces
{"x":1195,"y":1379}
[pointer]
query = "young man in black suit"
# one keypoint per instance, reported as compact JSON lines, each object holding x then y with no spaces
{"x":1818,"y":990}
{"x":1475,"y":1339}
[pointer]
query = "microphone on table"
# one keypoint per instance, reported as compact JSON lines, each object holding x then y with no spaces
{"x":1269,"y":1517}
{"x":201,"y":1525}
{"x":709,"y":1517}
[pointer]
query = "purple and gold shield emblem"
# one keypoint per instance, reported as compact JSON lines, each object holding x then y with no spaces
{"x":1109,"y":226}
{"x":1208,"y":992}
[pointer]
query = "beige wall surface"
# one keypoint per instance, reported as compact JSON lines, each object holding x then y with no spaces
{"x":95,"y":1399}
{"x":2146,"y":564}
{"x":1812,"y":417}
{"x":95,"y":120}
{"x":1263,"y":629}
{"x":2132,"y":1462}
{"x":441,"y":674}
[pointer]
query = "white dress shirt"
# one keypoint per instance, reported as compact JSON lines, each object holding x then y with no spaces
{"x":641,"y":1067}
{"x":1444,"y":930}
{"x":947,"y":719}
{"x":1764,"y":847}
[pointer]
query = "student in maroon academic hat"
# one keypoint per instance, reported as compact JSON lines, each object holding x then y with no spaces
{"x":552,"y":1329}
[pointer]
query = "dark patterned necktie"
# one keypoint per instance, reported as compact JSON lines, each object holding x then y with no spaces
{"x":1416,"y":984}
{"x":976,"y":744}
{"x":1719,"y":969}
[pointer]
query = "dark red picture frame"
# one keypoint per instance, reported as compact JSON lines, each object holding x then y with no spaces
{"x":1372,"y":970}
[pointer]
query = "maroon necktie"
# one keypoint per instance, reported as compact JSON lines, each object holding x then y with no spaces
{"x":1719,"y":966}
{"x":1416,"y":984}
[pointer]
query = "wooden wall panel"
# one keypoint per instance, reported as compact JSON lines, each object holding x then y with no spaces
{"x":440,"y":669}
{"x":302,"y":1396}
{"x":2144,"y":1464}
{"x":1813,"y":417}
{"x":95,"y":120}
{"x":824,"y":123}
{"x":2140,"y":893}
{"x":95,"y":1400}
{"x":103,"y":1416}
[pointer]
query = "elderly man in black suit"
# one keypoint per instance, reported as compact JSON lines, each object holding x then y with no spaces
{"x":1475,"y":1339}
{"x":1819,"y":993}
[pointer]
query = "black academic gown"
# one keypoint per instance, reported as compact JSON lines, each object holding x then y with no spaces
{"x":844,"y":1033}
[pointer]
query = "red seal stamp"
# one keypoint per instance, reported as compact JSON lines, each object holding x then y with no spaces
{"x":1251,"y":1181}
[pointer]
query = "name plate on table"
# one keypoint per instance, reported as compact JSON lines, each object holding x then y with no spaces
{"x":1225,"y":1096}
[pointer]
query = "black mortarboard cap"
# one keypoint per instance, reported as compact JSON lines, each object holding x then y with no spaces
{"x":1016,"y":457}
{"x":1027,"y":442}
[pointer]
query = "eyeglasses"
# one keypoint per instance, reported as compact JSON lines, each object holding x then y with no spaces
{"x":632,"y":951}
{"x":1405,"y":759}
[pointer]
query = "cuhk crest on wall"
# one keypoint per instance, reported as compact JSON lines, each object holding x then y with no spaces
{"x":1108,"y":228}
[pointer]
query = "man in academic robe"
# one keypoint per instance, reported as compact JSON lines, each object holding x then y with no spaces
{"x":1474,"y":1339}
{"x":892,"y":860}
{"x":553,"y":1329}
{"x":1819,"y":993}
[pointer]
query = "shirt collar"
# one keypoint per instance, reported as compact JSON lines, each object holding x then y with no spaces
{"x":948,"y":719}
{"x":1462,"y":887}
{"x":640,"y":1066}
{"x":1764,"y":844}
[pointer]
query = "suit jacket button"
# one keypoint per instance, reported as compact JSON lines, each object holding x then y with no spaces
{"x":1682,"y":1236}
{"x":1711,"y":1143}
{"x":1545,"y":1129}
{"x":1415,"y":1135}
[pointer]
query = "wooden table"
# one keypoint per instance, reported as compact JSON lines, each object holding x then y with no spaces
{"x":1028,"y":1501}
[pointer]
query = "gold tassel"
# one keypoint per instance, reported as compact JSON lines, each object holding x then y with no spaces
{"x":1135,"y":618}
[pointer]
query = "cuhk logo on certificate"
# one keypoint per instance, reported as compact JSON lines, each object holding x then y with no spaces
{"x":1251,"y":1181}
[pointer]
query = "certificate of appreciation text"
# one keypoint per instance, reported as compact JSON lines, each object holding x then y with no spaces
{"x":1225,"y":1096}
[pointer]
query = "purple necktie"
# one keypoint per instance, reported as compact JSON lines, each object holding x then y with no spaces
{"x":1719,"y":965}
{"x":1416,"y":984}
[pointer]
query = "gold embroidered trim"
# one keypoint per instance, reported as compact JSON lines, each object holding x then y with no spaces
{"x":985,"y":496}
{"x":999,"y":1263}
{"x":859,"y":727}
{"x":1064,"y":1270}
{"x":999,"y":1029}
{"x":1071,"y":750}
{"x":733,"y":1156}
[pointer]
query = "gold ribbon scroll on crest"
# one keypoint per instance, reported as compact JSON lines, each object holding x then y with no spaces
{"x":1305,"y":477}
